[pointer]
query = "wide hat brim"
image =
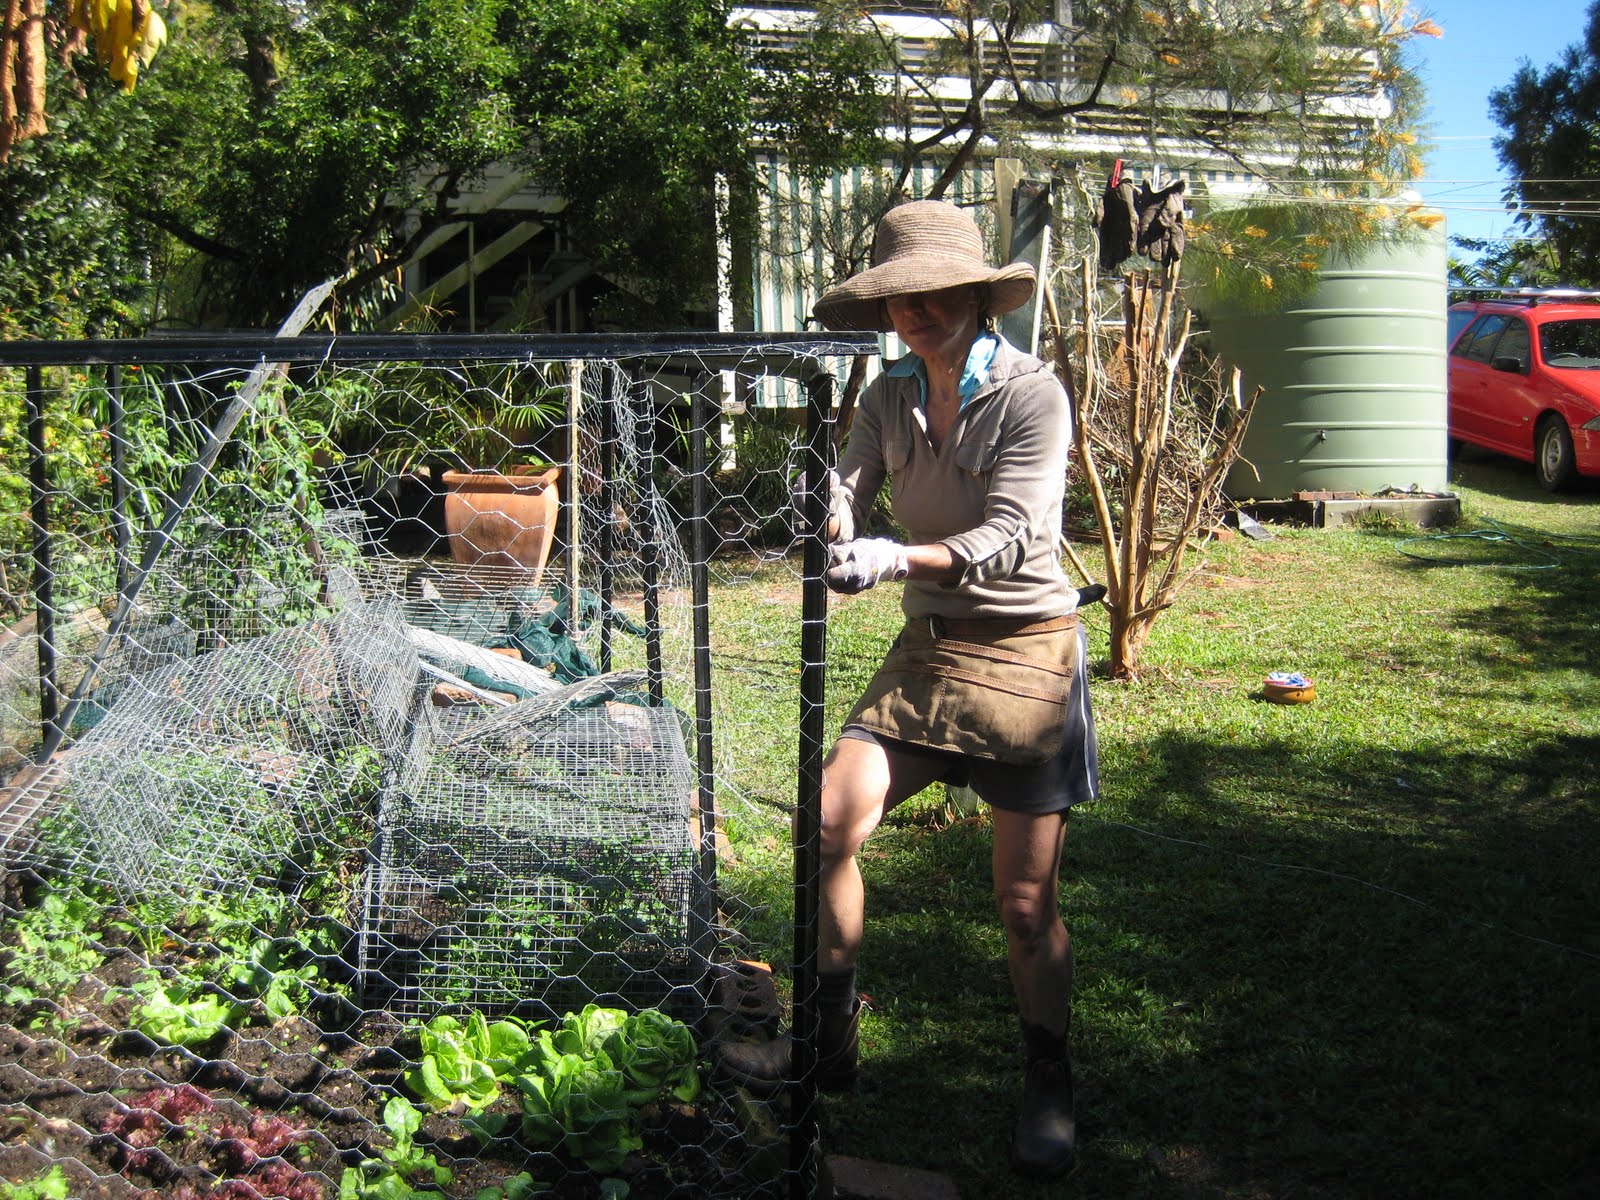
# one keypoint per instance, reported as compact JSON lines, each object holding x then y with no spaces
{"x":858,"y":302}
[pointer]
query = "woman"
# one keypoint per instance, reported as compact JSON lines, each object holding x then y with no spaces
{"x":985,"y":685}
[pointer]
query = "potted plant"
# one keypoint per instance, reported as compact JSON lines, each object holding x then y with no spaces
{"x":470,"y":435}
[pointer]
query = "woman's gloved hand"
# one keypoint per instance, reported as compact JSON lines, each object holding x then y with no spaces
{"x":839,"y":510}
{"x":855,"y":566}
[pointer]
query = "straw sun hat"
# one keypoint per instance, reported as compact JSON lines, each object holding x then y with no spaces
{"x":921,"y":247}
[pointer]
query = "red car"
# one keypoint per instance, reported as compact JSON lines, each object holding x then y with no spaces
{"x":1525,"y":380}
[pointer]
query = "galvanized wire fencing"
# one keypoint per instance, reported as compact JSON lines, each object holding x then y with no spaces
{"x":374,"y":727}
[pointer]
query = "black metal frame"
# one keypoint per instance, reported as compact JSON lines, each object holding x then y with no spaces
{"x":778,"y":353}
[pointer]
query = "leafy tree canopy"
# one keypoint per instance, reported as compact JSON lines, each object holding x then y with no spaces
{"x":1314,"y":96}
{"x":1502,"y":263}
{"x":1551,"y":147}
{"x":276,"y":143}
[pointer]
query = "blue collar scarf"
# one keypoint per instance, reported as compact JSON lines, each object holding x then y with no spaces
{"x":973,"y":376}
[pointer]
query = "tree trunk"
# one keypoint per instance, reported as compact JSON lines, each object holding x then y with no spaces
{"x":22,"y":68}
{"x":1128,"y":636}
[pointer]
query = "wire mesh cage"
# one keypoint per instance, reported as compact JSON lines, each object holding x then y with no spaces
{"x":535,"y":864}
{"x":207,"y":772}
{"x":326,"y":846}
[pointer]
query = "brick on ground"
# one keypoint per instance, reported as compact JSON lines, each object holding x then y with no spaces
{"x":860,"y":1179}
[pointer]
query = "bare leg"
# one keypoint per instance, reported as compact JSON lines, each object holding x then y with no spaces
{"x":1027,"y":869}
{"x":861,"y":782}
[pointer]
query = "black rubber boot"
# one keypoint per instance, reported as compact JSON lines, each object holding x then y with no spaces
{"x":765,"y":1067}
{"x":1046,"y":1139}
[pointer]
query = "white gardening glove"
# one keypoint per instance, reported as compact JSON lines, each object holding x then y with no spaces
{"x":855,"y":566}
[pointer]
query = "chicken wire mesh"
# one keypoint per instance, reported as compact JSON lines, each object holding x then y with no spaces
{"x":361,"y":862}
{"x":205,"y":773}
{"x":535,"y":864}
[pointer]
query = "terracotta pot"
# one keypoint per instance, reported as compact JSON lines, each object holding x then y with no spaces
{"x":502,"y":520}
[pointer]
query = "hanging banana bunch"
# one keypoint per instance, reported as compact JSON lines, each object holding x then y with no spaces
{"x":126,"y":34}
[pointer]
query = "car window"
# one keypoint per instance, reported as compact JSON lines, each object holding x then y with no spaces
{"x":1478,"y":342}
{"x":1571,"y":344}
{"x":1456,"y":319}
{"x":1514,"y":342}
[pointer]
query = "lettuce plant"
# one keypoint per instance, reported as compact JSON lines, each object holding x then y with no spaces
{"x":466,"y":1064}
{"x":179,"y":1014}
{"x":580,"y":1105}
{"x":581,"y":1084}
{"x":587,"y":1079}
{"x":52,"y":949}
{"x":388,"y":1177}
{"x":654,"y":1053}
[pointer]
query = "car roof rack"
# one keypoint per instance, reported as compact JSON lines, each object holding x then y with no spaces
{"x":1533,"y":296}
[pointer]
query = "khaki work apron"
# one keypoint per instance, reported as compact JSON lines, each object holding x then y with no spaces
{"x":990,"y":689}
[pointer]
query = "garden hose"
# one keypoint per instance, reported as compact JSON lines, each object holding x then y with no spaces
{"x":1495,"y":535}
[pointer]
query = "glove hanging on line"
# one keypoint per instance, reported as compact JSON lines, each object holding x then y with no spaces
{"x":855,"y":566}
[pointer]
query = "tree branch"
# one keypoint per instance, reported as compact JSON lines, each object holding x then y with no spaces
{"x":192,"y":238}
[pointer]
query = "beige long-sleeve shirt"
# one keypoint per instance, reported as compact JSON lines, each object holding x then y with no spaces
{"x":992,"y":493}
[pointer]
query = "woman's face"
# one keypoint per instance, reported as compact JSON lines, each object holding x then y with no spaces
{"x":939,"y":326}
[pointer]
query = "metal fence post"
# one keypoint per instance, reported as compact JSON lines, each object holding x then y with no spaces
{"x":644,"y":432}
{"x":123,"y":531}
{"x":609,"y":399}
{"x":44,"y":575}
{"x":808,"y":812}
{"x":699,"y":569}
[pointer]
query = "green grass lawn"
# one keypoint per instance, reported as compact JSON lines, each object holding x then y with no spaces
{"x":1348,"y":948}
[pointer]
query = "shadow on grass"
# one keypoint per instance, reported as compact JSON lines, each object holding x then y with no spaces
{"x":1292,"y":980}
{"x":1545,"y":562}
{"x":1512,"y":479}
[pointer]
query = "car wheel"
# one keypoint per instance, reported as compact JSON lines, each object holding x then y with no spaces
{"x":1553,"y":459}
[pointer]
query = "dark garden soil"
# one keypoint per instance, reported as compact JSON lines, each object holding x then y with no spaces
{"x":281,"y":1110}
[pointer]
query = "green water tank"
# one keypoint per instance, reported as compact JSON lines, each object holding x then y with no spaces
{"x":1353,"y":378}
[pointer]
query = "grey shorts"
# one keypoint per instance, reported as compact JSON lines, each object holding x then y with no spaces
{"x":1069,"y":778}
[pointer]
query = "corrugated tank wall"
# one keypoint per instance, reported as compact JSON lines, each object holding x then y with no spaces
{"x":1354,"y":378}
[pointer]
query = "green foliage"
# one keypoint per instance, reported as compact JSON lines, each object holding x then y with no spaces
{"x":823,"y":100}
{"x":389,"y":1176}
{"x":1264,"y":255}
{"x":637,"y":106}
{"x":179,"y":1012}
{"x":583,"y":1083}
{"x":1276,"y":70}
{"x":274,"y":144}
{"x":579,"y":1104}
{"x":465,"y":1064}
{"x":78,"y":448}
{"x":404,"y":416}
{"x":1550,"y":140}
{"x":72,"y":265}
{"x":52,"y":947}
{"x":586,"y":1080}
{"x":517,"y":1187}
{"x":49,"y":1185}
{"x":251,"y":944}
{"x":655,"y":1053}
{"x":1503,"y":263}
{"x":245,"y":535}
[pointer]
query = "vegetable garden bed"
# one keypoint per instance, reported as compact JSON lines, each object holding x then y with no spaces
{"x":249,"y":853}
{"x":219,"y":1067}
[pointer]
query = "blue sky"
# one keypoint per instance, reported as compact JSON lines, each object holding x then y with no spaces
{"x":1483,"y":42}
